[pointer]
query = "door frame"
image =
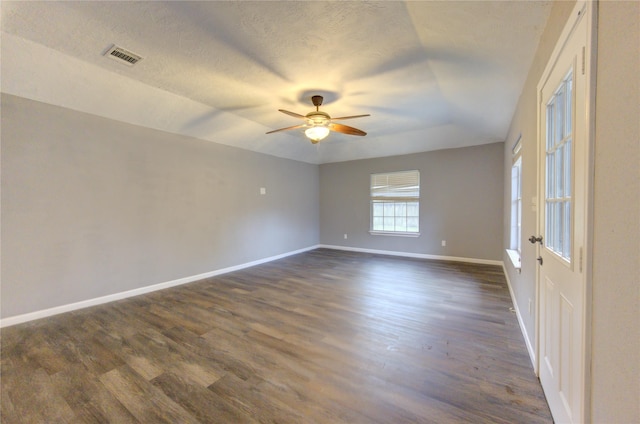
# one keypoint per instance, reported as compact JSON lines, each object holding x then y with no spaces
{"x":583,"y":9}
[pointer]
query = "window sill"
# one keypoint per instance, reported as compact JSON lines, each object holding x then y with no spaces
{"x":514,"y":255}
{"x":396,"y":234}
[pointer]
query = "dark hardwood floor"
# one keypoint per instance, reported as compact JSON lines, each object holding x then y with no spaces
{"x":320,"y":337}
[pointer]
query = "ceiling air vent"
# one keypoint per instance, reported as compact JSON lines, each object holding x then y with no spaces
{"x":123,"y":56}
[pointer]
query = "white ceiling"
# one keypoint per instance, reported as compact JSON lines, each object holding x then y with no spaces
{"x":433,"y":75}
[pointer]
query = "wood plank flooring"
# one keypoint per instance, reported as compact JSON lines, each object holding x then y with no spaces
{"x":320,"y":337}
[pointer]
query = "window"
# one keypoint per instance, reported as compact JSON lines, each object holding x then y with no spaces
{"x":515,"y":243}
{"x":516,"y":205}
{"x":395,"y":203}
{"x":558,"y":170}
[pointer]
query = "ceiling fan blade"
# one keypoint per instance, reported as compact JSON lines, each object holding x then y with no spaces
{"x":349,"y":117}
{"x":295,"y":115}
{"x":345,"y":129}
{"x":288,"y":128}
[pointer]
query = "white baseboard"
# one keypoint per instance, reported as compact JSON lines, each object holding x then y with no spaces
{"x":19,"y":319}
{"x":414,"y":255}
{"x":530,"y":349}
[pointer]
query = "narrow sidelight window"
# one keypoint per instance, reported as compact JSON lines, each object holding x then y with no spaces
{"x":516,"y":205}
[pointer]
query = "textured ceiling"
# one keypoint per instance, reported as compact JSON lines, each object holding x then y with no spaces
{"x":432,"y":75}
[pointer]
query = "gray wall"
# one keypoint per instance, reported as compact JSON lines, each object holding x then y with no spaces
{"x":460,"y":202}
{"x":92,"y":207}
{"x":615,"y":329}
{"x":616,"y":255}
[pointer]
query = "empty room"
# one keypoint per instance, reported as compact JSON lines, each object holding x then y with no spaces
{"x":320,"y":212}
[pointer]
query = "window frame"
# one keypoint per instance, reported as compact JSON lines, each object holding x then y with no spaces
{"x":515,"y":207}
{"x":393,"y":194}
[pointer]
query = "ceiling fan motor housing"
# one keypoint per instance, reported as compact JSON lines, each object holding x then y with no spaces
{"x":318,"y":118}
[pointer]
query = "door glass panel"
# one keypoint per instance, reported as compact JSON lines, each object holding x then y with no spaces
{"x":557,"y":229}
{"x":566,"y":247}
{"x":562,"y":226}
{"x":558,"y":170}
{"x":559,"y":118}
{"x":567,"y":168}
{"x":549,"y":218}
{"x":569,"y":108}
{"x":558,"y":173}
{"x":550,"y":121}
{"x":551,"y":167}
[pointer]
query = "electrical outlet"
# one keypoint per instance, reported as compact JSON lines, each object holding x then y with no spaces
{"x":345,"y":236}
{"x":444,"y":243}
{"x":263,"y":190}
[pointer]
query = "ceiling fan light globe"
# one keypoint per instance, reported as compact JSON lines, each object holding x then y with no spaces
{"x":317,"y":133}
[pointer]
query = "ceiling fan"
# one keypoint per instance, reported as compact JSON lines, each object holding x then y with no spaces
{"x":318,"y":124}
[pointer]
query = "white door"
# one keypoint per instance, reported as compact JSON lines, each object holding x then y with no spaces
{"x":562,"y":163}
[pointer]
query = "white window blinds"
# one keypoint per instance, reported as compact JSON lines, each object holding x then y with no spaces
{"x":396,"y":186}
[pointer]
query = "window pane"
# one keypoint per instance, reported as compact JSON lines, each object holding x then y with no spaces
{"x":567,"y":168}
{"x":388,"y":209}
{"x":401,"y":209}
{"x":548,"y":236}
{"x":569,"y":105}
{"x":378,"y":224}
{"x":412,"y":209}
{"x":550,"y":115}
{"x":566,"y":250}
{"x":552,"y":228}
{"x":559,"y":118}
{"x":514,"y":182}
{"x":550,"y":180}
{"x":557,"y":226}
{"x":519,"y":229}
{"x":377,"y":209}
{"x":401,"y":224}
{"x":412,"y":224}
{"x":560,"y":226}
{"x":389,"y":223}
{"x":558,"y":172}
